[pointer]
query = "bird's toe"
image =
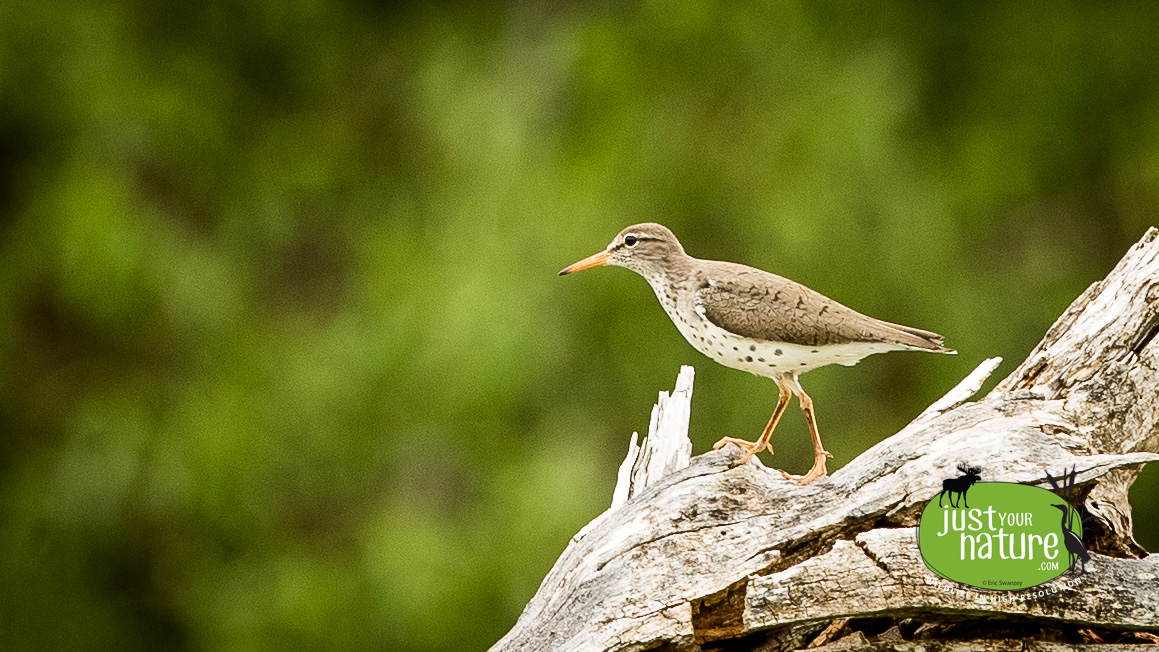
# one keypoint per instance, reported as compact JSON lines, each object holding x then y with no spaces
{"x":808,"y":478}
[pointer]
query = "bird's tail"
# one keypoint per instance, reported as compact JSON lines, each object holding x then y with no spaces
{"x":920,"y":339}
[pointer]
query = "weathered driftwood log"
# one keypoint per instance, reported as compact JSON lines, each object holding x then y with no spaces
{"x":698,"y":554}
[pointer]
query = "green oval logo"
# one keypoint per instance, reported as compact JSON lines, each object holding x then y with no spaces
{"x":1005,"y":537}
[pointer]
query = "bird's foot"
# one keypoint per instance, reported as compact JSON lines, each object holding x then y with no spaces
{"x":750,"y":448}
{"x":817,"y":471}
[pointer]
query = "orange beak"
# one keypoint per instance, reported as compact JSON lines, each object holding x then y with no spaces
{"x":594,"y":260}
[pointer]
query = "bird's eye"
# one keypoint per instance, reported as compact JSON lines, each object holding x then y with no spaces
{"x":631,"y":240}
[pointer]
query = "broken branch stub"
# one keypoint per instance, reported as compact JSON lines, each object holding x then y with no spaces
{"x":696,"y":552}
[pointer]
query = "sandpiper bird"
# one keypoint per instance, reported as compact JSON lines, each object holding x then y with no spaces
{"x":757,"y":322}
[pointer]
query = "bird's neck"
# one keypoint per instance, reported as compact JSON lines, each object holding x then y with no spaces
{"x":669,"y":279}
{"x":669,"y":268}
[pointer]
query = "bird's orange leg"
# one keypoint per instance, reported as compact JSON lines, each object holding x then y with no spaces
{"x":752,"y":448}
{"x":819,"y":452}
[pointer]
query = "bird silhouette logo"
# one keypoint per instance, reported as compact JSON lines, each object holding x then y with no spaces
{"x":1076,"y":547}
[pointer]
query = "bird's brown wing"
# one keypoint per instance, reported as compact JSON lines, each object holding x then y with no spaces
{"x":763,"y":306}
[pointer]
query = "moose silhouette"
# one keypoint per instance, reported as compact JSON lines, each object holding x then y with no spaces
{"x":960,"y":485}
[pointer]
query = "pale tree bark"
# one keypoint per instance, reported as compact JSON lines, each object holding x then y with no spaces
{"x":699,"y":554}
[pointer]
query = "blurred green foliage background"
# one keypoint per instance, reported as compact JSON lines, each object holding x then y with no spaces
{"x":284,"y":362}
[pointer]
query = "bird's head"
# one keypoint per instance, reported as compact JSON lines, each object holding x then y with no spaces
{"x":646,"y":249}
